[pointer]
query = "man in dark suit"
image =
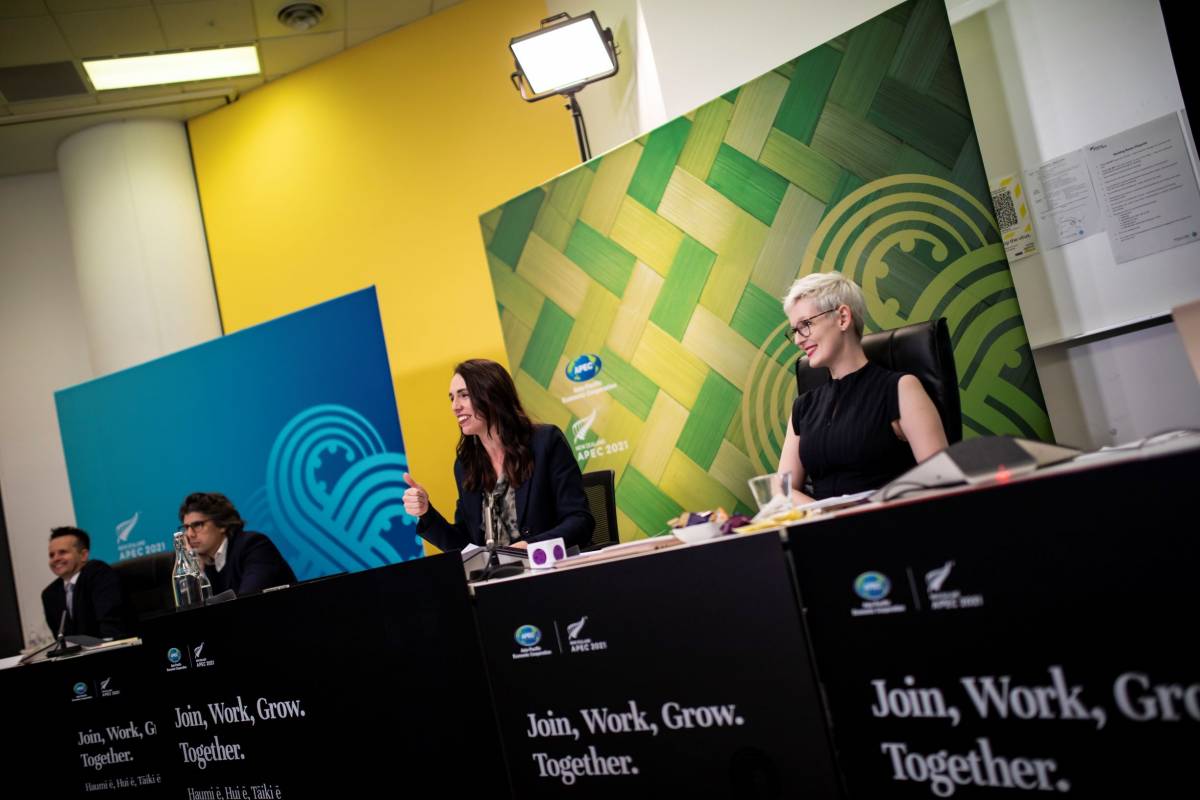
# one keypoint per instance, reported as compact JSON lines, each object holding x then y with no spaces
{"x":88,"y":590}
{"x":233,"y":558}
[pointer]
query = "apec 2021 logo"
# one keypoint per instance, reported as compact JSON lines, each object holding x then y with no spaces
{"x":584,"y":368}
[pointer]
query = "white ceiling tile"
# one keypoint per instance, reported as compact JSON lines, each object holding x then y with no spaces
{"x":118,"y":31}
{"x":385,"y":13}
{"x":360,"y":35}
{"x":208,"y":22}
{"x":72,"y":6}
{"x":293,"y":52}
{"x":22,"y":8}
{"x":269,"y":25}
{"x":32,"y":40}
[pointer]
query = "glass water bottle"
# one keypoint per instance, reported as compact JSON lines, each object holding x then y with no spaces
{"x":185,"y":579}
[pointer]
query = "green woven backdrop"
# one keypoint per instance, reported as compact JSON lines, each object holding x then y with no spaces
{"x":667,"y":258}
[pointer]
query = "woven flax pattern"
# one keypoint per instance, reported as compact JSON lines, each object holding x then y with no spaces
{"x":666,"y":259}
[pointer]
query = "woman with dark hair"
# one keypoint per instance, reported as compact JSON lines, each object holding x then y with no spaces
{"x":519,"y":479}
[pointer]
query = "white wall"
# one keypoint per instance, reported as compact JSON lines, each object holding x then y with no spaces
{"x":704,"y":48}
{"x":43,"y":348}
{"x":1045,"y":79}
{"x":1119,"y":388}
{"x":612,"y":107}
{"x":680,"y":54}
{"x":145,"y":264}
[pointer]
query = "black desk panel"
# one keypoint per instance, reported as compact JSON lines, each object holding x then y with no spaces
{"x":685,"y":672}
{"x":323,"y":690}
{"x":1029,"y":638}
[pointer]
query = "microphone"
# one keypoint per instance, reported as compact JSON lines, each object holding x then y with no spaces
{"x":493,"y":568}
{"x":62,"y":648}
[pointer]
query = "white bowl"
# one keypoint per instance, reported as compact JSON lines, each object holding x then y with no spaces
{"x":697,"y":533}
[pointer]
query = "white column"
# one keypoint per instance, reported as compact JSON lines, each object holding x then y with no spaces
{"x":138,"y":239}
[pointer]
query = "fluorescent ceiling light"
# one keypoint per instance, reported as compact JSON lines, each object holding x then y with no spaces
{"x":193,"y":65}
{"x":564,"y":55}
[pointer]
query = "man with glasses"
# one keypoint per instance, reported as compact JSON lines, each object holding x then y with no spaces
{"x":88,"y":590}
{"x":233,"y":558}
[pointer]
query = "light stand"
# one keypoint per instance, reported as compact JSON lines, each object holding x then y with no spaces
{"x":563,"y":56}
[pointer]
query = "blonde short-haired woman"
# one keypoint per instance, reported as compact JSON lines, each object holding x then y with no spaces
{"x":867,"y":425}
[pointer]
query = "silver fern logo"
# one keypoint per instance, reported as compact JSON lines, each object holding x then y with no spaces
{"x":584,"y":643}
{"x":935,"y":578}
{"x":580,"y":427}
{"x":125,"y":527}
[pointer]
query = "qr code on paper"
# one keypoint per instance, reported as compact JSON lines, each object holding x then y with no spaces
{"x":1006,"y":215}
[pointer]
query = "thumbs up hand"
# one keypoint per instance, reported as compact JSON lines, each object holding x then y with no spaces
{"x":416,"y":499}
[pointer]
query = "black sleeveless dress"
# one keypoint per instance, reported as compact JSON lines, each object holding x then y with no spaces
{"x":847,"y":443}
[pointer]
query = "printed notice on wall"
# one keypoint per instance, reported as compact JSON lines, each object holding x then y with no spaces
{"x":1147,"y":188}
{"x":1012,"y":214}
{"x":1063,"y":200}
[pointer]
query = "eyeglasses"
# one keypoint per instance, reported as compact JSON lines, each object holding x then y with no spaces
{"x":805,"y":326}
{"x":193,"y":526}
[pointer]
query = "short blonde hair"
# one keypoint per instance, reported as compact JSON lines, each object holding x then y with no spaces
{"x":829,"y":290}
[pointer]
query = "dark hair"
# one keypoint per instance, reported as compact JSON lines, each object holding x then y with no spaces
{"x":84,"y":542}
{"x":494,"y":398}
{"x":216,"y":506}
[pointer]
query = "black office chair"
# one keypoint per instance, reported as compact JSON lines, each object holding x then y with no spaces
{"x":146,"y":585}
{"x":602,"y":502}
{"x":922,"y":349}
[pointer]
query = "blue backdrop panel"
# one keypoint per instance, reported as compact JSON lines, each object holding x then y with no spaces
{"x":294,"y":420}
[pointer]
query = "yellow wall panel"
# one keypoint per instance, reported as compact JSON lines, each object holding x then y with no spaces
{"x":372,"y":167}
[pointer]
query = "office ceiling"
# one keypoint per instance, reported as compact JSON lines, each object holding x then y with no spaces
{"x":45,"y":95}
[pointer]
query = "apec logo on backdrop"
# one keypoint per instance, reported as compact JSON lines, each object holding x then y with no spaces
{"x":584,"y":368}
